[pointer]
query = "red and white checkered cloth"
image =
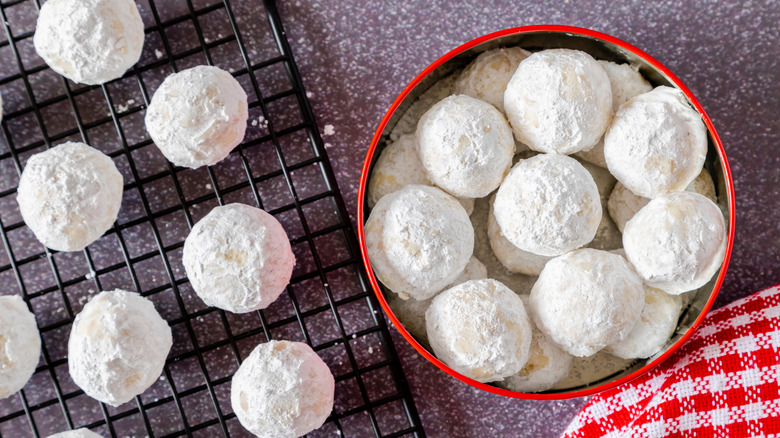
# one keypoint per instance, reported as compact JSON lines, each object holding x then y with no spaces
{"x":722,"y":383}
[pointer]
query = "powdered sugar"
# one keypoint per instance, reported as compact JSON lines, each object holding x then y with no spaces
{"x":398,"y":165}
{"x":117,"y":347}
{"x":548,"y":205}
{"x":238,"y":258}
{"x":69,"y":195}
{"x":512,"y":257}
{"x":485,"y":77}
{"x":480,"y":329}
{"x":198,"y":116}
{"x":282,"y":390}
{"x":20,"y":344}
{"x":656,"y":144}
{"x":586,"y":300}
{"x":89,"y":41}
{"x":78,"y":433}
{"x":419,"y":239}
{"x":559,"y":101}
{"x":465,"y":145}
{"x":676,"y":242}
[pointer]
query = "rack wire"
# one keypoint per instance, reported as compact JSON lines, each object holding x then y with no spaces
{"x":281,"y":167}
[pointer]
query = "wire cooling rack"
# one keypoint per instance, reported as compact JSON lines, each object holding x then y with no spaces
{"x":281,"y":166}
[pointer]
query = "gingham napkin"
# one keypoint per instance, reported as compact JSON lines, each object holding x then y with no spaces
{"x":722,"y":383}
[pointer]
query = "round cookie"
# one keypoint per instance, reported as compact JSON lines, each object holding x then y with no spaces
{"x":623,"y":204}
{"x":282,"y":390}
{"x":626,"y":83}
{"x":89,"y":41}
{"x":548,"y":205}
{"x":238,"y":258}
{"x":411,"y":313}
{"x":117,"y":347}
{"x":676,"y":242}
{"x":587,"y":299}
{"x":485,"y":77}
{"x":512,"y":257}
{"x":69,"y":195}
{"x":547,"y":364}
{"x":480,"y":329}
{"x":559,"y":101}
{"x":465,"y":145}
{"x":20,"y":345}
{"x":656,"y":143}
{"x":197,"y":116}
{"x":655,"y":326}
{"x":418,"y":239}
{"x":78,"y":433}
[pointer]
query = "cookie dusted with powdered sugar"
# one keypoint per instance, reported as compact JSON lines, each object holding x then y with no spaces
{"x":20,"y":344}
{"x":418,"y":239}
{"x":117,"y":347}
{"x":656,"y":144}
{"x":238,"y":258}
{"x":623,"y":204}
{"x":485,"y":77}
{"x":676,"y":242}
{"x":548,"y":205}
{"x":89,"y":41}
{"x":69,"y":195}
{"x":559,"y":101}
{"x":465,"y":145}
{"x":587,"y":299}
{"x":282,"y":390}
{"x":78,"y":433}
{"x":480,"y":329}
{"x":399,"y":165}
{"x":512,"y":257}
{"x":197,"y":116}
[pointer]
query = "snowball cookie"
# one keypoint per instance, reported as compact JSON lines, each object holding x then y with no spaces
{"x":676,"y":242}
{"x":117,"y":346}
{"x":238,"y":258}
{"x":547,"y":364}
{"x":418,"y":239}
{"x":587,"y":299}
{"x":548,"y":205}
{"x":513,"y":258}
{"x":485,"y":77}
{"x":197,"y":116}
{"x":655,"y":326}
{"x":656,"y":143}
{"x":465,"y":145}
{"x":69,"y":195}
{"x":20,"y":345}
{"x":623,"y":204}
{"x":626,"y":83}
{"x":283,"y":389}
{"x":89,"y":41}
{"x":78,"y":433}
{"x":559,"y":101}
{"x":480,"y":329}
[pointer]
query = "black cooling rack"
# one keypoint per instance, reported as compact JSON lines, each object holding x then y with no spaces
{"x":281,"y":166}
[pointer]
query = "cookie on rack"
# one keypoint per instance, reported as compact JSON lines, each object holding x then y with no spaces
{"x":117,"y":347}
{"x":282,"y":389}
{"x":197,"y":116}
{"x":89,"y":41}
{"x":20,"y":344}
{"x":78,"y":433}
{"x":238,"y":258}
{"x":69,"y":195}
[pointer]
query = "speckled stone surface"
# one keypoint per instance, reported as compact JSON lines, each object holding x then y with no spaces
{"x":356,"y":57}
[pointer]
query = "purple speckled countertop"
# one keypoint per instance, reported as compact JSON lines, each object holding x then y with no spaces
{"x":356,"y":56}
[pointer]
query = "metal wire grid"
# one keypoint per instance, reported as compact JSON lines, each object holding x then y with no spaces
{"x":281,"y":166}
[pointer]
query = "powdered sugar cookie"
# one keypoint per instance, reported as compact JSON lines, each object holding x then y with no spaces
{"x":485,"y":77}
{"x":20,"y":345}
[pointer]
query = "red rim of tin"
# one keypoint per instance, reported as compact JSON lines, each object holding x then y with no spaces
{"x":364,"y":183}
